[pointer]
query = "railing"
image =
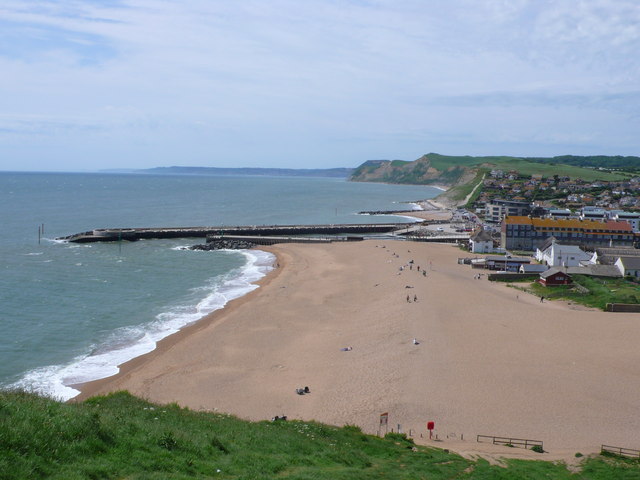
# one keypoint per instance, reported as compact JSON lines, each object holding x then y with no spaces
{"x":512,"y":442}
{"x":623,"y":452}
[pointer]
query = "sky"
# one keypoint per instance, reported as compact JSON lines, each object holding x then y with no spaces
{"x":102,"y":84}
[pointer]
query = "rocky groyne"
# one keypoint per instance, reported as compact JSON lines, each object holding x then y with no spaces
{"x":224,"y":244}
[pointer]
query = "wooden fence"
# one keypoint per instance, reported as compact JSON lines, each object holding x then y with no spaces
{"x":512,"y":442}
{"x":623,"y":452}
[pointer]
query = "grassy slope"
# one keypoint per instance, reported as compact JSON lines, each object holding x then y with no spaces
{"x":119,"y":436}
{"x":524,"y":167}
{"x":601,"y":291}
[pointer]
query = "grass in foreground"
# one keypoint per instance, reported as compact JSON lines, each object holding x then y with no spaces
{"x":120,"y":436}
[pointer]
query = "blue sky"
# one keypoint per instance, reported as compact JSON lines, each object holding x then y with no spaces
{"x":97,"y":84}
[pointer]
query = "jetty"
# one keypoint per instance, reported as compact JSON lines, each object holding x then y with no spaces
{"x":134,"y":234}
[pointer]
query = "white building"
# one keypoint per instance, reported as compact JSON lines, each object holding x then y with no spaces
{"x":629,"y":266}
{"x":593,"y":213}
{"x":556,"y":255}
{"x":481,"y":242}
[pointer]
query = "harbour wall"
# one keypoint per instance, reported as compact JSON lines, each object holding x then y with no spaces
{"x":133,"y":234}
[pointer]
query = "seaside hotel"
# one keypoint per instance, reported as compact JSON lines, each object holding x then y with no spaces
{"x":527,"y":233}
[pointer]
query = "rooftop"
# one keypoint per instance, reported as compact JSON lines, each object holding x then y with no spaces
{"x":568,"y":223}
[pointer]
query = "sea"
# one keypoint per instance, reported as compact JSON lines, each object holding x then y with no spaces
{"x":71,"y":313}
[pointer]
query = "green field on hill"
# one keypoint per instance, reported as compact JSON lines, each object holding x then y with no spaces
{"x":120,"y":436}
{"x":525,"y":167}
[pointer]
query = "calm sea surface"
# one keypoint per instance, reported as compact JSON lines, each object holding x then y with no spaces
{"x":71,"y":313}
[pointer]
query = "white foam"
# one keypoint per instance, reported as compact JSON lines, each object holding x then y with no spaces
{"x":413,"y":219}
{"x":55,"y":240}
{"x":130,"y":342}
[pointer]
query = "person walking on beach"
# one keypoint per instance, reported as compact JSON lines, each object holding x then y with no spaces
{"x":415,"y":298}
{"x":408,"y":299}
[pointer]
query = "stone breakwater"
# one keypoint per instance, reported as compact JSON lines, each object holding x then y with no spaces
{"x":220,"y":244}
{"x":133,"y":234}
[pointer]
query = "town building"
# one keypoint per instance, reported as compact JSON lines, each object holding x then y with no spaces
{"x":498,"y":209}
{"x":557,"y":213}
{"x":609,"y":256}
{"x":533,"y":268}
{"x":481,"y":242}
{"x":631,"y":217}
{"x":629,"y":266}
{"x":505,"y":263}
{"x":526,"y":233}
{"x":603,"y":271}
{"x":593,"y":213}
{"x":554,"y":276}
{"x":558,"y":255}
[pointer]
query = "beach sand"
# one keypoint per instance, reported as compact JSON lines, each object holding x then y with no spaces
{"x":490,"y":360}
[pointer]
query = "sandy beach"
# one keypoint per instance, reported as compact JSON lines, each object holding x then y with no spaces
{"x":489,"y":359}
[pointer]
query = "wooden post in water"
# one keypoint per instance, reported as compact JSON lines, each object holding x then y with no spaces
{"x":39,"y":233}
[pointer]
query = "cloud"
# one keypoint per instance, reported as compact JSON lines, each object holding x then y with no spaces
{"x":349,"y":78}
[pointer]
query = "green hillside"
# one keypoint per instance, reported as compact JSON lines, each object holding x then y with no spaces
{"x":119,"y":436}
{"x":448,"y":170}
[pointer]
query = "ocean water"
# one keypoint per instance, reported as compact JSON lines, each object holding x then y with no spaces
{"x":70,"y":313}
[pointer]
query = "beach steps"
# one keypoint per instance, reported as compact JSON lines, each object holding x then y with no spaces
{"x":133,"y":234}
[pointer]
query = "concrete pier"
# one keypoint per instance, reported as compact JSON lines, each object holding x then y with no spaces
{"x":133,"y":234}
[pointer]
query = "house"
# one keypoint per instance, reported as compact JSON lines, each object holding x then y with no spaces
{"x":629,"y":266}
{"x":505,"y":262}
{"x":557,"y":255}
{"x":609,"y":256}
{"x":533,"y":268}
{"x":603,"y":271}
{"x":554,"y":276}
{"x":481,"y":242}
{"x":593,"y":213}
{"x":557,"y":213}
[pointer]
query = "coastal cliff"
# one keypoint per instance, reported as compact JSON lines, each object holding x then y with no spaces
{"x":430,"y":169}
{"x":461,"y":174}
{"x":426,"y":170}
